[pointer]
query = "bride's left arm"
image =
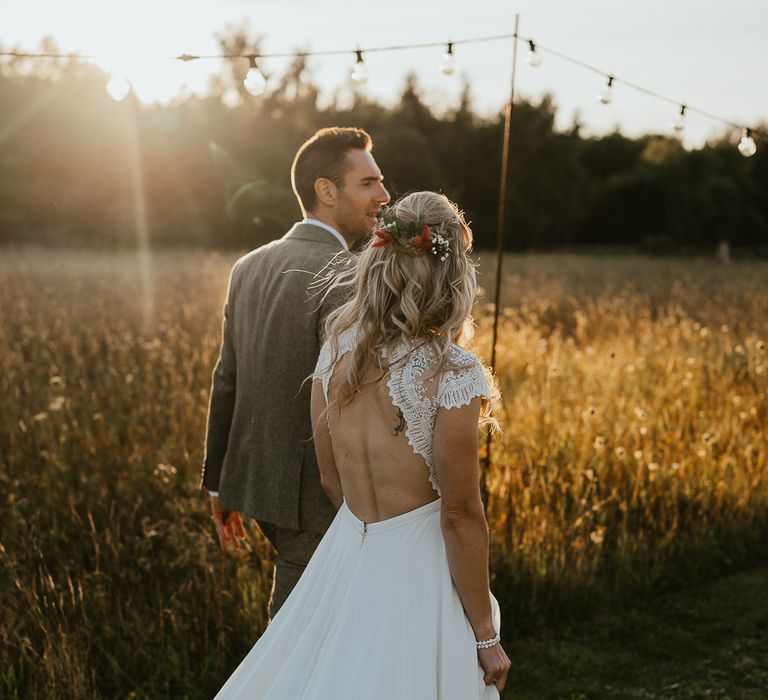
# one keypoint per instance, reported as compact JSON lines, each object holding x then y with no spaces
{"x":329,"y":474}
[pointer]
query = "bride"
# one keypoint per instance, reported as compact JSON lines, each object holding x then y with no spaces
{"x":395,"y":602}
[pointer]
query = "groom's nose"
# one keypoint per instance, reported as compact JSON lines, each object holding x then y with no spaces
{"x":382,"y":196}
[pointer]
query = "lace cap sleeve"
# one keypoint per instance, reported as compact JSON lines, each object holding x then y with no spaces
{"x":468,"y":381}
{"x":326,"y":361}
{"x":324,"y":367}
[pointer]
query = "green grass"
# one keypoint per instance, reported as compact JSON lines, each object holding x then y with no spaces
{"x":709,"y":641}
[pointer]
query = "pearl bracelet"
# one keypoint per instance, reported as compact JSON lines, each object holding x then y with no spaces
{"x":486,"y":643}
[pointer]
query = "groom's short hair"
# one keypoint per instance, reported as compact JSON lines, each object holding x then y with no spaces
{"x":324,"y":155}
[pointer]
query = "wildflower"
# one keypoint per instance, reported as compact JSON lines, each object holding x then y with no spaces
{"x":643,"y":430}
{"x":739,"y":349}
{"x":638,"y":454}
{"x":760,"y":346}
{"x":736,"y":400}
{"x":57,"y":404}
{"x":701,"y":453}
{"x":704,"y":332}
{"x":56,"y":382}
{"x":675,"y":465}
{"x":598,"y":535}
{"x":590,"y":474}
{"x":724,"y":328}
{"x":640,"y":413}
{"x":599,"y":442}
{"x":39,"y":416}
{"x":690,"y":361}
{"x":653,"y":466}
{"x":620,"y":452}
{"x":590,"y":351}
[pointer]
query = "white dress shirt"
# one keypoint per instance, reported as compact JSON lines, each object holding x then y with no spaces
{"x":341,"y":239}
{"x":330,"y":229}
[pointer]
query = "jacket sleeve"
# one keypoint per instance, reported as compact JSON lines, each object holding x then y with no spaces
{"x":222,"y":400}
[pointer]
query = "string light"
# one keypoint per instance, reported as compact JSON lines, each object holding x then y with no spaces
{"x":747,"y":146}
{"x":359,"y":72}
{"x":606,"y":94}
{"x":533,"y":57}
{"x":448,"y":63}
{"x":254,"y":82}
{"x":679,"y":124}
{"x":118,"y":86}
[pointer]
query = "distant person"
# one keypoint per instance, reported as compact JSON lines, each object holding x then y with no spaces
{"x":724,"y":252}
{"x":394,"y":604}
{"x":259,"y":459}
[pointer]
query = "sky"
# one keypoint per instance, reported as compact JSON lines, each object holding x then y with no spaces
{"x":708,"y":55}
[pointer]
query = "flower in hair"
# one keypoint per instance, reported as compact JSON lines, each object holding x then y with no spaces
{"x":412,"y":236}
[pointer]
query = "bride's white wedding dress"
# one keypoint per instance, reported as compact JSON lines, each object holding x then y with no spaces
{"x":375,"y":615}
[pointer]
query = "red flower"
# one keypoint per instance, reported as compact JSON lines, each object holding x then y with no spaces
{"x":383,"y":239}
{"x":422,"y":239}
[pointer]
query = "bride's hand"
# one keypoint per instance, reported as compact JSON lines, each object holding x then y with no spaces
{"x":496,"y":664}
{"x":229,"y":524}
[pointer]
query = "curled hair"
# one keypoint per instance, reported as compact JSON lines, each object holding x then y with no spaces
{"x":394,"y":297}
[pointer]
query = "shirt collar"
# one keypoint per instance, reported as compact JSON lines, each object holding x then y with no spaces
{"x":330,"y":229}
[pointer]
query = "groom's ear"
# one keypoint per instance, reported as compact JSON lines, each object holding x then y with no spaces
{"x":326,"y":191}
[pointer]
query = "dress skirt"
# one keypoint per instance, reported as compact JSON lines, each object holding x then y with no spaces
{"x":374,"y":616}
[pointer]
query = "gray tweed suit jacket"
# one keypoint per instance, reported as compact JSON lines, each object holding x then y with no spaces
{"x":259,"y":452}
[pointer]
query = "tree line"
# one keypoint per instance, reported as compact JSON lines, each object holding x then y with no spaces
{"x":72,"y":162}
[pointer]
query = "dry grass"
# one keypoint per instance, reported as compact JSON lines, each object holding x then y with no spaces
{"x":633,"y":456}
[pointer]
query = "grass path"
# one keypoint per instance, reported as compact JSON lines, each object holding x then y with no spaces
{"x":707,"y":642}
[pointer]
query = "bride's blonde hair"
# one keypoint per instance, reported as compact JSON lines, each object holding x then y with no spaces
{"x":395,"y":295}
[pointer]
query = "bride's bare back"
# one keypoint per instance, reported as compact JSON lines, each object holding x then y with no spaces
{"x":380,"y":474}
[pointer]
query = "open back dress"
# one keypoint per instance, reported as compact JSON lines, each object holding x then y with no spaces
{"x":375,"y":615}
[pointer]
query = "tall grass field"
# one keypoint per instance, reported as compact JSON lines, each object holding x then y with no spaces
{"x":633,"y":456}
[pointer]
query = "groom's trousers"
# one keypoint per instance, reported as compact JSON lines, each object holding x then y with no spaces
{"x":294,"y":550}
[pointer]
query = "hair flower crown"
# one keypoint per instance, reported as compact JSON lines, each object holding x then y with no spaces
{"x":412,"y":237}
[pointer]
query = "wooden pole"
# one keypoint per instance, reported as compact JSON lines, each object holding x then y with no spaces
{"x":503,"y":186}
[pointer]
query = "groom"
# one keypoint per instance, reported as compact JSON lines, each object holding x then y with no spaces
{"x":259,"y":458}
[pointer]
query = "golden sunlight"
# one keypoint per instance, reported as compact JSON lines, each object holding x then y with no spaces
{"x":139,"y":43}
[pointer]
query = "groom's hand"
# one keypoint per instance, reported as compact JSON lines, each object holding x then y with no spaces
{"x":229,"y":524}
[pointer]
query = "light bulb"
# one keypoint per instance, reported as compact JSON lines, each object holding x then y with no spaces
{"x":533,"y":57}
{"x":359,"y":72}
{"x":118,"y":86}
{"x":448,"y":64}
{"x":606,"y":94}
{"x":747,"y":145}
{"x":254,"y":81}
{"x":679,"y":124}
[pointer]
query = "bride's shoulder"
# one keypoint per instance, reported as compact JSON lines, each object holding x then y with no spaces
{"x":462,"y":357}
{"x":463,"y":378}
